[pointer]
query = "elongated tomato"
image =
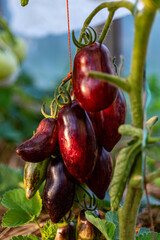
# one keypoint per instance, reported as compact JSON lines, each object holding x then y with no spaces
{"x":77,"y":141}
{"x":91,"y":93}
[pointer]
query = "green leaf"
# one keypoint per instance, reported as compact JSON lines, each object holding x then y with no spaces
{"x":9,"y":178}
{"x":28,"y":237}
{"x":113,"y":217}
{"x":106,"y":228}
{"x":122,"y":171}
{"x":21,"y":210}
{"x":148,"y":236}
{"x":153,"y":151}
{"x":49,"y":231}
{"x":16,"y":217}
{"x":143,"y":230}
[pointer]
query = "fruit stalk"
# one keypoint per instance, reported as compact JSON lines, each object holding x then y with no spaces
{"x":143,"y":25}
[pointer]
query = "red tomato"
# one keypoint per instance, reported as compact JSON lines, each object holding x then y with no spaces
{"x":93,"y":94}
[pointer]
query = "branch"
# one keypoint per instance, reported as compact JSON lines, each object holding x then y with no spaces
{"x":136,"y":182}
{"x":117,"y":81}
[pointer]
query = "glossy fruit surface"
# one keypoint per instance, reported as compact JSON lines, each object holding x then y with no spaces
{"x":106,"y":122}
{"x":85,"y":230}
{"x":77,"y":141}
{"x":101,"y":176}
{"x":65,"y":232}
{"x":34,"y":175}
{"x":59,"y":190}
{"x":91,"y":93}
{"x":43,"y":143}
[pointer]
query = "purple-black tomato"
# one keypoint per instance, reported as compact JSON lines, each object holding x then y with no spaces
{"x":106,"y":122}
{"x":101,"y":176}
{"x":77,"y":141}
{"x":59,"y":190}
{"x":43,"y":143}
{"x":93,"y":94}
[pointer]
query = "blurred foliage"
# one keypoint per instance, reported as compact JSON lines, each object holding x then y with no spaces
{"x":20,"y":105}
{"x":154,"y":105}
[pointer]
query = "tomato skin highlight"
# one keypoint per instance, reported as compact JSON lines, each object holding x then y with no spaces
{"x":101,"y":176}
{"x":106,"y":122}
{"x":77,"y":141}
{"x":59,"y":190}
{"x":93,"y":94}
{"x":43,"y":143}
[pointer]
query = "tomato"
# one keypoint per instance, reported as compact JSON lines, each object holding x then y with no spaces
{"x":106,"y":122}
{"x":65,"y":232}
{"x":43,"y":143}
{"x":101,"y":176}
{"x":85,"y":230}
{"x":77,"y":141}
{"x":8,"y":63}
{"x":93,"y":94}
{"x":18,"y":47}
{"x":59,"y":190}
{"x":34,"y":175}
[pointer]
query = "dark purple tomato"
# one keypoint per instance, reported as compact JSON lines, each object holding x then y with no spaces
{"x":101,"y":176}
{"x":85,"y":230}
{"x":43,"y":143}
{"x":77,"y":141}
{"x":65,"y":232}
{"x":93,"y":94}
{"x":106,"y":122}
{"x":59,"y":190}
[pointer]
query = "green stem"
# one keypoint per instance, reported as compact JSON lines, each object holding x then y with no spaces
{"x":7,"y":29}
{"x":143,"y":24}
{"x":112,"y":6}
{"x":117,"y":81}
{"x":136,"y":182}
{"x":106,"y":26}
{"x":41,"y":230}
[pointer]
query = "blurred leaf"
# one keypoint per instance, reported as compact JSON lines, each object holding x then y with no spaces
{"x":148,"y":236}
{"x":106,"y":228}
{"x":113,"y":217}
{"x":49,"y":231}
{"x":153,"y":151}
{"x":28,"y":237}
{"x":9,"y":178}
{"x":143,"y":230}
{"x":19,"y":206}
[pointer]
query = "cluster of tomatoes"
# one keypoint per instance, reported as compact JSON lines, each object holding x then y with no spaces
{"x":12,"y":51}
{"x":81,"y":136}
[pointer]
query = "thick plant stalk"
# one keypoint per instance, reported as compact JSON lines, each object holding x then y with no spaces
{"x":143,"y":24}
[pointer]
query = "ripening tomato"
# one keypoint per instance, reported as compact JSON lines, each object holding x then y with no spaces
{"x":77,"y":141}
{"x":93,"y":94}
{"x":106,"y":122}
{"x":8,"y":63}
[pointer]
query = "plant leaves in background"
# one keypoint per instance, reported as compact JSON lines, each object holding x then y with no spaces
{"x":106,"y":228}
{"x":148,"y":236}
{"x":49,"y":231}
{"x":143,"y":230}
{"x":113,"y":217}
{"x":21,"y":210}
{"x":153,"y":151}
{"x":9,"y":178}
{"x":122,"y":171}
{"x":29,"y":237}
{"x":24,"y":2}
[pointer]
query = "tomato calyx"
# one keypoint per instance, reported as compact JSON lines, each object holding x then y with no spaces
{"x":89,"y":37}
